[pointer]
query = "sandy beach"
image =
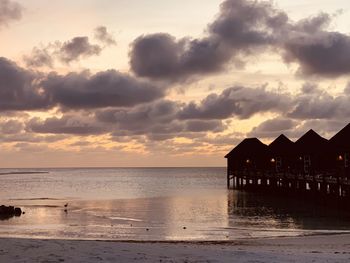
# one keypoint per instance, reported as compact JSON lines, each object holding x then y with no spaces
{"x":329,"y":248}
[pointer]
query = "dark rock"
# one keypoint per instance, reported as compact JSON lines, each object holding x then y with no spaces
{"x":7,"y":212}
{"x":18,"y":211}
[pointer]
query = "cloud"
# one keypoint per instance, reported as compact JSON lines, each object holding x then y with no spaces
{"x":320,"y":53}
{"x":241,"y":28}
{"x":30,"y":138}
{"x":77,"y":48}
{"x":244,"y":24}
{"x":11,"y":127}
{"x":24,"y":90}
{"x":204,"y":126}
{"x":18,"y":88}
{"x":316,"y":50}
{"x":153,"y":121}
{"x":154,"y":118}
{"x":104,"y":36}
{"x":68,"y":124}
{"x":241,"y":102}
{"x":39,"y":57}
{"x":161,"y":56}
{"x":314,"y":103}
{"x":70,"y":51}
{"x":272,"y":128}
{"x":104,"y":89}
{"x":294,"y":129}
{"x":9,"y":11}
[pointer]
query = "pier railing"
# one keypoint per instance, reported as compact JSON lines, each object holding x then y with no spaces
{"x":331,"y":182}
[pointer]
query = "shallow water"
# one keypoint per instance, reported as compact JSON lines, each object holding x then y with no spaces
{"x":153,"y":204}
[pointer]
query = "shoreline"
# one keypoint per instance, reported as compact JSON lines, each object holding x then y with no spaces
{"x":316,"y":248}
{"x":189,"y":242}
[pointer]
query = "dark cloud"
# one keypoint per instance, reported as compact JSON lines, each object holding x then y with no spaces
{"x":9,"y":11}
{"x":68,"y":124}
{"x":315,"y":103}
{"x":321,"y":53}
{"x":153,"y":121}
{"x":238,"y":102}
{"x":204,"y":126}
{"x":39,"y":57}
{"x":272,"y":128}
{"x":77,"y":48}
{"x":159,"y":112}
{"x":244,"y":24}
{"x":18,"y":88}
{"x":24,"y":90}
{"x":312,"y":24}
{"x":317,"y":51}
{"x":14,"y":130}
{"x":157,"y":120}
{"x":161,"y":56}
{"x":104,"y":36}
{"x":103,"y":89}
{"x":241,"y":28}
{"x":158,"y":117}
{"x":72,"y":50}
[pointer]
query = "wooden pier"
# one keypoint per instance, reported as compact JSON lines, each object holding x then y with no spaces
{"x":288,"y":183}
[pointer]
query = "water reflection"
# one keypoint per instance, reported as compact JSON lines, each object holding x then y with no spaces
{"x":209,"y":215}
{"x":271,"y":211}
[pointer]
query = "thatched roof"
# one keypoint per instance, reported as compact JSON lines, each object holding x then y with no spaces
{"x":311,"y":142}
{"x":248,"y":147}
{"x":342,"y":139}
{"x":282,"y":146}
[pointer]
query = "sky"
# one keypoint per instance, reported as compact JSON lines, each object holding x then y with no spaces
{"x":116,"y":83}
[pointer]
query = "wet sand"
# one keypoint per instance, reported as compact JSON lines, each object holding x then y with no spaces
{"x":325,"y":248}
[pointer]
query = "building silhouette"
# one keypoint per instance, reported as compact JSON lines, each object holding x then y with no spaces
{"x":312,"y":163}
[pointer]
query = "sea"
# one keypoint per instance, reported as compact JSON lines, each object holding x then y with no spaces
{"x":153,"y":204}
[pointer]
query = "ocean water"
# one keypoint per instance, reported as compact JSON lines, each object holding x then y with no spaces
{"x":153,"y":204}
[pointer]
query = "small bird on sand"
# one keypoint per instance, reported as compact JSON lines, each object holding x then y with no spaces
{"x":66,"y":205}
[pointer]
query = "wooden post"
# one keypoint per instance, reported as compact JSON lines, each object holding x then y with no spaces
{"x":228,"y":176}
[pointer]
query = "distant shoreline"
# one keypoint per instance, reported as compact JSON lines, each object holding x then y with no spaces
{"x":113,"y":167}
{"x":10,"y":173}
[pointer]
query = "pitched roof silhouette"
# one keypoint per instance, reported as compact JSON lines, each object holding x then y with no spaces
{"x":248,"y":147}
{"x":342,"y":139}
{"x":282,"y":146}
{"x":311,"y":142}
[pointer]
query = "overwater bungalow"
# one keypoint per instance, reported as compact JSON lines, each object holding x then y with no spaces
{"x":250,"y":154}
{"x":249,"y":157}
{"x":340,"y":144}
{"x":311,"y":164}
{"x":281,"y":154}
{"x":312,"y":154}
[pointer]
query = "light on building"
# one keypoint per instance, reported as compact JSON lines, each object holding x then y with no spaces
{"x":273,"y":160}
{"x":247,"y":161}
{"x":340,"y":158}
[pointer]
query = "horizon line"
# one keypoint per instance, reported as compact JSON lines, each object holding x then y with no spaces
{"x":111,"y":167}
